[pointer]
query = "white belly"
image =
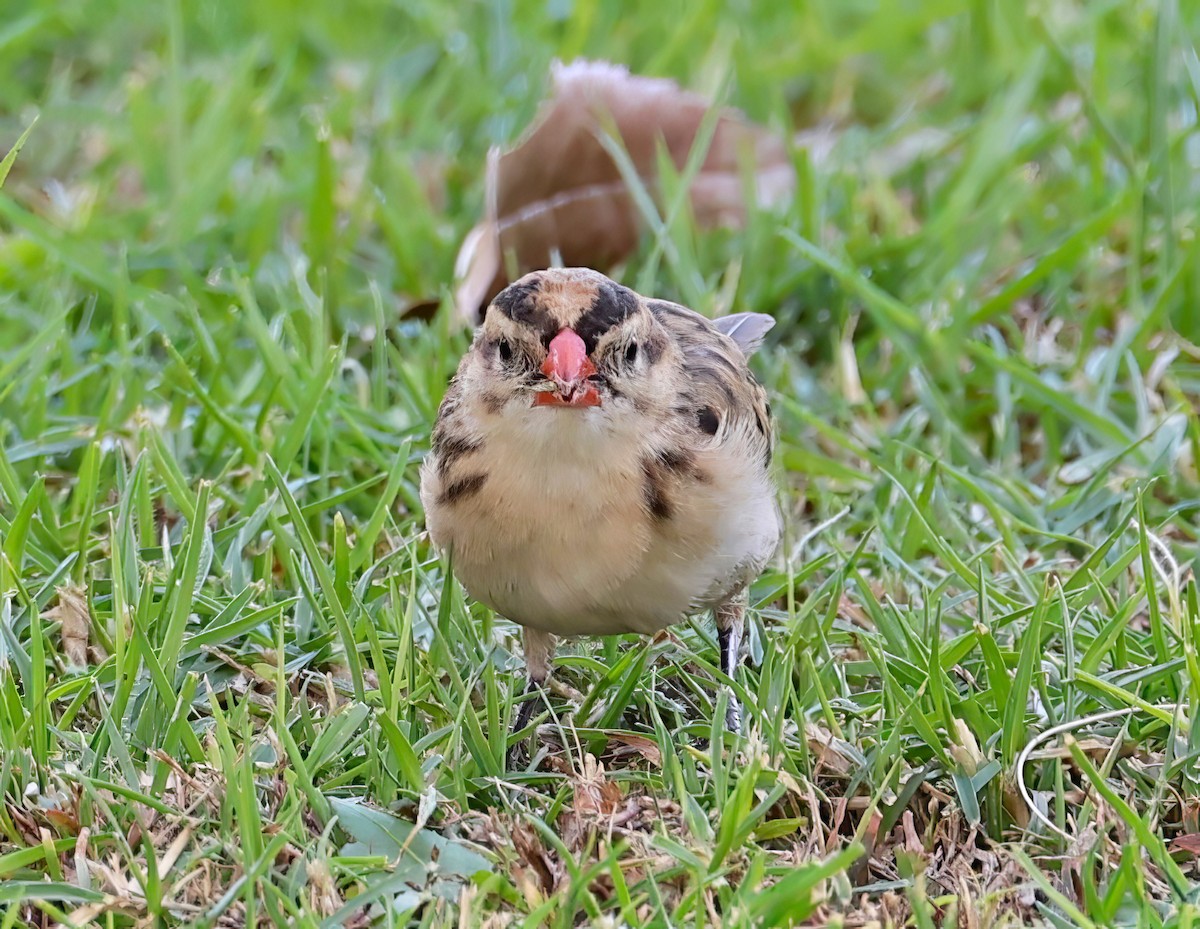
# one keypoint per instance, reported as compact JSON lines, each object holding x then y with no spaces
{"x":561,"y":541}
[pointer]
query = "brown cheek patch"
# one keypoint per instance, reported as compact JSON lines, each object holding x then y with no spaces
{"x":681,"y":463}
{"x":663,"y":470}
{"x":463,"y":488}
{"x":450,"y":449}
{"x":654,"y":347}
{"x":493,"y":403}
{"x":451,"y":400}
{"x":654,"y":492}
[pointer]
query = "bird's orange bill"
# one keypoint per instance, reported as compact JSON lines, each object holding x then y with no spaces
{"x":568,"y":367}
{"x":587,"y":396}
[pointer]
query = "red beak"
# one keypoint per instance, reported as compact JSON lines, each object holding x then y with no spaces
{"x":568,"y":368}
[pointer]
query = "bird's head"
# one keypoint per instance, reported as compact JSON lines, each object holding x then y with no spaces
{"x":569,"y":342}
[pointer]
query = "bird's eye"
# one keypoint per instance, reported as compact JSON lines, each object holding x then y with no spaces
{"x":505,"y":350}
{"x":631,"y":352}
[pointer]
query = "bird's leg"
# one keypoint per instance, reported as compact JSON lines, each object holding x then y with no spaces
{"x":731,"y":618}
{"x":525,"y":710}
{"x":539,"y":650}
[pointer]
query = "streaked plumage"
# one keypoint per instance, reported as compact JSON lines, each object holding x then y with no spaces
{"x":600,"y":463}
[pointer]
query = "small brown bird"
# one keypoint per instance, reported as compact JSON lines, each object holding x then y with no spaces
{"x":601,"y":465}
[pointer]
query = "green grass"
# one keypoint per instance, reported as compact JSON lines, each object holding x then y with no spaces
{"x":986,"y":380}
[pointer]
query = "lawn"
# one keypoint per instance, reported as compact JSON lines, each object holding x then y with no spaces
{"x":237,"y":686}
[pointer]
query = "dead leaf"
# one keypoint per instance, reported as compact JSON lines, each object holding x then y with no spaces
{"x":596,"y":801}
{"x":912,"y":842}
{"x":829,"y":751}
{"x":596,"y":797}
{"x":66,"y":822}
{"x":1188,"y":842}
{"x":630,"y":743}
{"x":75,"y":623}
{"x":559,"y":197}
{"x":535,"y":868}
{"x":1095,"y":748}
{"x":175,"y":849}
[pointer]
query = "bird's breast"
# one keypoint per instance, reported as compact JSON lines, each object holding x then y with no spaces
{"x":560,"y":535}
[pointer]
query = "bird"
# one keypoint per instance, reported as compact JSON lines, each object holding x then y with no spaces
{"x":600,"y":464}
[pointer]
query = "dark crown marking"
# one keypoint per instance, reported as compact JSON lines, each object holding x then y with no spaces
{"x":518,"y":300}
{"x":612,"y":305}
{"x":546,"y":305}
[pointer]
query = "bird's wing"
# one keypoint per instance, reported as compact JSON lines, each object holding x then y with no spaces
{"x":718,"y":393}
{"x":747,"y":329}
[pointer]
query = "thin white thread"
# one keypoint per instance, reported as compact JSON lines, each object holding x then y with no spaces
{"x":1023,"y":758}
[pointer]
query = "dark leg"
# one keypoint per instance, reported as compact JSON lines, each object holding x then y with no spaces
{"x":730,"y":621}
{"x":525,"y":711}
{"x":539,"y":649}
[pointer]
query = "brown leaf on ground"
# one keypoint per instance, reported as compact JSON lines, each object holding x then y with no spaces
{"x":1095,"y":748}
{"x":628,"y":743}
{"x":912,"y":842}
{"x":852,"y":612}
{"x":535,"y":872}
{"x":634,"y":820}
{"x":831,"y":753}
{"x":75,"y":623}
{"x":1188,"y":842}
{"x":596,"y":797}
{"x":596,"y":802}
{"x":559,"y":196}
